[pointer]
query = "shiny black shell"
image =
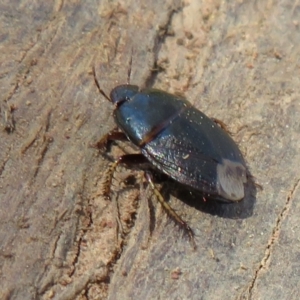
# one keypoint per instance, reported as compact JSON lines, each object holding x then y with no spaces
{"x":181,"y":141}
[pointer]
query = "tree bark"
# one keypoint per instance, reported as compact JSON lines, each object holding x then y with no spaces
{"x":60,"y":238}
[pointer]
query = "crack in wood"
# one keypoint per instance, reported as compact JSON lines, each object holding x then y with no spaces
{"x":34,"y":133}
{"x":161,"y":35}
{"x":27,"y":61}
{"x":4,"y":162}
{"x":271,"y":243}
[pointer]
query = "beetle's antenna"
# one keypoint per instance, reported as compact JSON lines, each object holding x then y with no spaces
{"x":98,"y":85}
{"x":129,"y":70}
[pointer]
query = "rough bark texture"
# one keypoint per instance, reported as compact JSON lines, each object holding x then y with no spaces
{"x":237,"y":61}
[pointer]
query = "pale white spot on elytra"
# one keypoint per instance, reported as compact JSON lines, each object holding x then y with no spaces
{"x":231,"y":177}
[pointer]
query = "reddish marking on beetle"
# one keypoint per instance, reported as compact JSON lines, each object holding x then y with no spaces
{"x":159,"y":128}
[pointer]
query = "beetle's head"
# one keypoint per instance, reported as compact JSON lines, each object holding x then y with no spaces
{"x":123,"y":93}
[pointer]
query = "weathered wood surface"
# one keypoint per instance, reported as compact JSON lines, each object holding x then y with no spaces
{"x":237,"y":61}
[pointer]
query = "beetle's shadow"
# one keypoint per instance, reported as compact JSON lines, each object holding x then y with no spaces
{"x":233,"y":210}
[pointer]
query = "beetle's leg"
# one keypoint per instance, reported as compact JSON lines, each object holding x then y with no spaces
{"x":221,"y":124}
{"x":170,"y":210}
{"x":113,"y":135}
{"x":129,"y":159}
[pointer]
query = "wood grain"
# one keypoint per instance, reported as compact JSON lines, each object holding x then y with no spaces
{"x":237,"y":61}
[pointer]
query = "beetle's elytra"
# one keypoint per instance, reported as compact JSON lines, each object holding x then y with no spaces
{"x":178,"y":140}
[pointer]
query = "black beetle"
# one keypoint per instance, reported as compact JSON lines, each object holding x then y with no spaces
{"x":178,"y":140}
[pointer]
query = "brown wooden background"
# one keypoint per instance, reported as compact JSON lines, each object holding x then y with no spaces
{"x":235,"y":60}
